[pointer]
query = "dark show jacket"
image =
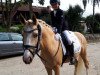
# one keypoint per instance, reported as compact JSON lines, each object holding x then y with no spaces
{"x":58,"y":20}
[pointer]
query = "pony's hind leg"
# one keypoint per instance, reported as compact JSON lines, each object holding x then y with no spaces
{"x":86,"y":63}
{"x":49,"y":71}
{"x":85,"y":60}
{"x":79,"y":66}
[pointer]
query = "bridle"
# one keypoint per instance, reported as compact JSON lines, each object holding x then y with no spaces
{"x":37,"y":46}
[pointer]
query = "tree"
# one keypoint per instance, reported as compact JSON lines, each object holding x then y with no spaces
{"x":94,"y":2}
{"x":74,"y":15}
{"x":6,"y":7}
{"x":93,"y":27}
{"x":11,"y":8}
{"x":2,"y":11}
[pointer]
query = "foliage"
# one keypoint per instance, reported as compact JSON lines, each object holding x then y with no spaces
{"x":41,"y":2}
{"x":2,"y":29}
{"x":10,"y":9}
{"x":74,"y":15}
{"x":46,"y":18}
{"x":94,"y":2}
{"x":95,"y":27}
{"x":16,"y":28}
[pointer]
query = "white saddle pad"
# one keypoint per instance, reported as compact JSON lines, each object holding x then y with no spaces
{"x":73,"y":39}
{"x":58,"y":37}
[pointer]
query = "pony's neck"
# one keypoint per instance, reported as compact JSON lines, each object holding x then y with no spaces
{"x":48,"y":41}
{"x":47,"y":36}
{"x":48,"y":44}
{"x":47,"y":32}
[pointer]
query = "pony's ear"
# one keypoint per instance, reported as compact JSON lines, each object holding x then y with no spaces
{"x":34,"y":19}
{"x":22,"y":19}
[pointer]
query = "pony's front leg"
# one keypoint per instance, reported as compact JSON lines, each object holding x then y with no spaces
{"x":49,"y":71}
{"x":57,"y":70}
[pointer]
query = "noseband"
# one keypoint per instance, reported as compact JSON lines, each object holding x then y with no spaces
{"x":37,"y":47}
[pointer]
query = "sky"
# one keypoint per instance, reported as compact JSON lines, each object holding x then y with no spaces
{"x":65,"y":5}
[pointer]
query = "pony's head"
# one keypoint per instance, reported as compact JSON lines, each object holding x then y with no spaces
{"x":31,"y":39}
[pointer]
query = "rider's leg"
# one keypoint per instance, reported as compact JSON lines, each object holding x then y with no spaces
{"x":68,"y":37}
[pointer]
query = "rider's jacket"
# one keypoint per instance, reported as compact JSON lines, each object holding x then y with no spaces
{"x":58,"y":20}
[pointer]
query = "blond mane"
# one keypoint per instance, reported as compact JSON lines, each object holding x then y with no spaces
{"x":43,"y":23}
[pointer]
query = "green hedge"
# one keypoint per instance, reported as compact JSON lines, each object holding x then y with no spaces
{"x":3,"y":29}
{"x":15,"y":28}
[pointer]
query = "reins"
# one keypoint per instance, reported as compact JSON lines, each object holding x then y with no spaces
{"x":38,"y":46}
{"x":53,"y":56}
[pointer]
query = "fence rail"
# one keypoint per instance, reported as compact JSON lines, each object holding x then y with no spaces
{"x":93,"y":38}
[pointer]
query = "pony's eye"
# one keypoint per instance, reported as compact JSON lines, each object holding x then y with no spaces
{"x":35,"y":35}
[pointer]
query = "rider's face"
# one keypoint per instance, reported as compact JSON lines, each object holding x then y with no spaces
{"x":55,"y":5}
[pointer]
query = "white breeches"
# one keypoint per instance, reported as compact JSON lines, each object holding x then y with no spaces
{"x":71,"y":38}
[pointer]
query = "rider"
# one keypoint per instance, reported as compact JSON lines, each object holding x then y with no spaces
{"x":58,"y":21}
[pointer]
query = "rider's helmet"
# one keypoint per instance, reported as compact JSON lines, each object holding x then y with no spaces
{"x":55,"y":1}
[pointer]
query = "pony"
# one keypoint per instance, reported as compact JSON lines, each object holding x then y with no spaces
{"x":39,"y":36}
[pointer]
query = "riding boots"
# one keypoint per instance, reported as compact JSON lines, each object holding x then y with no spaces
{"x":72,"y":58}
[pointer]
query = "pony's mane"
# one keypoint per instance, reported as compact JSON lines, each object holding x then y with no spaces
{"x":43,"y":23}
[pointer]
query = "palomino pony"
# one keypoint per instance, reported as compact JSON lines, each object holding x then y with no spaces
{"x":38,"y":35}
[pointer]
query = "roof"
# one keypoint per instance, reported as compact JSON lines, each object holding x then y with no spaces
{"x":35,"y":8}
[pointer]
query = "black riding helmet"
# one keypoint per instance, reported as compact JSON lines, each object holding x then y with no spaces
{"x":55,"y":1}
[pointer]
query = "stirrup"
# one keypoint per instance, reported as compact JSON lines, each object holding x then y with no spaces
{"x":73,"y":61}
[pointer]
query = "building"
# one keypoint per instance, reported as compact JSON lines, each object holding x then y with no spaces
{"x":24,"y":10}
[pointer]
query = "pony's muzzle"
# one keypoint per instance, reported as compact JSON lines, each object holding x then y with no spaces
{"x":27,"y":57}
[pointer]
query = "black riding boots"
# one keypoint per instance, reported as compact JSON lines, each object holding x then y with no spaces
{"x":72,"y":58}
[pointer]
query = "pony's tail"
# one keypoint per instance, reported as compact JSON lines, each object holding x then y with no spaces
{"x":79,"y":67}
